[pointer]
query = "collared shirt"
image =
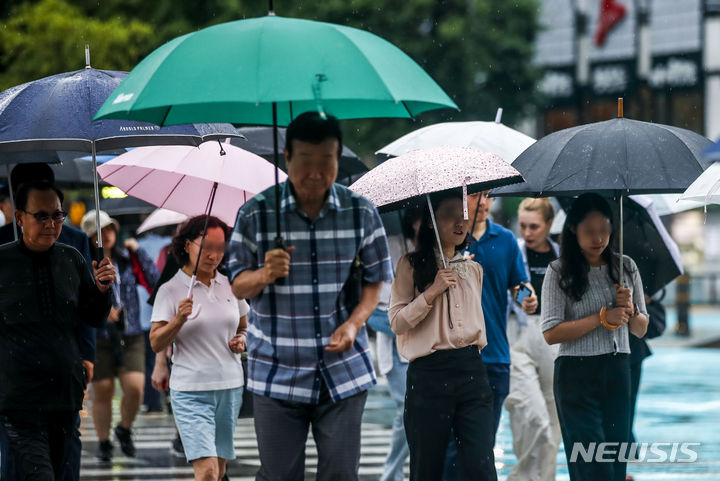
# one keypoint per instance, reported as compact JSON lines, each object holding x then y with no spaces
{"x":202,"y":359}
{"x":498,"y":253}
{"x":291,"y":322}
{"x":424,"y":328}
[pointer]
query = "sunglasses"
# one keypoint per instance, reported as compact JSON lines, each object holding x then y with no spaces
{"x":43,"y":217}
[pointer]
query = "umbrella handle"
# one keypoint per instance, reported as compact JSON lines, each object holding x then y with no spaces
{"x":195,"y":314}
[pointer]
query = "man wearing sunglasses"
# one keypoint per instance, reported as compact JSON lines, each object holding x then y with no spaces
{"x":41,"y":226}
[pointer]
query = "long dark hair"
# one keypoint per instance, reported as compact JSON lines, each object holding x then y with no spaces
{"x":423,"y":260}
{"x":574,"y":267}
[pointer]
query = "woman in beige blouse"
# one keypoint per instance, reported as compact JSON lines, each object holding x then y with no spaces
{"x":438,"y":318}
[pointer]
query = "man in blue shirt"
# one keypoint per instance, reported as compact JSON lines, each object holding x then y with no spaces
{"x":497,"y":251}
{"x":308,"y":354}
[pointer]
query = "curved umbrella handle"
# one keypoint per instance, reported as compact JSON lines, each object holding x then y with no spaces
{"x":190,"y":295}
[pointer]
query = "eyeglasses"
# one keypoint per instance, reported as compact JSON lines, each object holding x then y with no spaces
{"x":210,"y":248}
{"x":43,"y":217}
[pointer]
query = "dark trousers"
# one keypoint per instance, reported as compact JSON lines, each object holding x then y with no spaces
{"x":38,"y":444}
{"x":282,"y":429}
{"x":498,"y":376}
{"x":592,"y":394}
{"x":635,"y":372}
{"x":449,"y":390}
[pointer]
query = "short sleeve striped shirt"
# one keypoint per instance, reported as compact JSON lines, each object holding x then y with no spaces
{"x":291,"y":323}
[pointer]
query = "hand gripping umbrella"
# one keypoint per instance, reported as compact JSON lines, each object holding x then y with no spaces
{"x":178,"y":177}
{"x":40,"y":118}
{"x":274,"y":69}
{"x":616,"y":157}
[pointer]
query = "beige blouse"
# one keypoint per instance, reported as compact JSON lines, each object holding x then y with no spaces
{"x":424,"y":328}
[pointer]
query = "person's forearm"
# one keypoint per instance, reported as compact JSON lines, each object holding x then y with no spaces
{"x":368,"y":302}
{"x":162,"y":336}
{"x":638,"y":325}
{"x":248,"y":284}
{"x":571,"y":330}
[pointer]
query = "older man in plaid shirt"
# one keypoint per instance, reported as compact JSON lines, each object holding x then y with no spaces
{"x":309,"y":360}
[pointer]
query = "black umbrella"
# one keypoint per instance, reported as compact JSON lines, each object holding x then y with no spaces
{"x":616,"y":157}
{"x":647,"y":242}
{"x":260,"y":141}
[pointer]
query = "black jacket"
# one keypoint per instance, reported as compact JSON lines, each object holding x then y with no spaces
{"x":74,"y":238}
{"x":43,"y":298}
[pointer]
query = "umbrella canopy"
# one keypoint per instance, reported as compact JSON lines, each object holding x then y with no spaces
{"x":706,"y":188}
{"x":260,"y":141}
{"x":668,"y":204}
{"x":647,"y":242}
{"x":55,"y":114}
{"x":713,"y":152}
{"x":488,"y":136}
{"x":400,"y":181}
{"x":161,"y":218}
{"x":235,"y":72}
{"x":619,"y":156}
{"x":182,"y":178}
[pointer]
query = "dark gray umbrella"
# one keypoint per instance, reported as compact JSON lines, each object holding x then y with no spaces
{"x":260,"y":142}
{"x":620,"y":156}
{"x":616,"y":157}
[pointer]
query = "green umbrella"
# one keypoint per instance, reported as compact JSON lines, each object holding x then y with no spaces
{"x":268,"y":70}
{"x":235,"y":71}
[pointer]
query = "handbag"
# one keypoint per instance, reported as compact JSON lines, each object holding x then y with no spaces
{"x":246,"y":410}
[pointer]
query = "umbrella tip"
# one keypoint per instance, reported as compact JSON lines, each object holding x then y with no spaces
{"x":498,"y":115}
{"x":620,"y":107}
{"x":87,"y":56}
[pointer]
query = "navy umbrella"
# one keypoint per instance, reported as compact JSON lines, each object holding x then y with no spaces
{"x":40,"y":118}
{"x":616,"y":157}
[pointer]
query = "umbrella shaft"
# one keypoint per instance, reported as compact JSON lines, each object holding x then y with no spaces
{"x":620,"y":267}
{"x":437,"y":234}
{"x":97,"y":203}
{"x":207,"y":219}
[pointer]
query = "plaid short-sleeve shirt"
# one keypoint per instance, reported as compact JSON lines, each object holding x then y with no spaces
{"x":291,"y":323}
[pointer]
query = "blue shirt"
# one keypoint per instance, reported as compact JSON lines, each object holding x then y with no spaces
{"x":498,"y":253}
{"x":290,"y":324}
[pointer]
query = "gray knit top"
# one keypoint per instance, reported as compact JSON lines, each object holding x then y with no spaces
{"x":557,"y":307}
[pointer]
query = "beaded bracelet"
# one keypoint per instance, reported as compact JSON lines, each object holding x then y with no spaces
{"x":604,"y":322}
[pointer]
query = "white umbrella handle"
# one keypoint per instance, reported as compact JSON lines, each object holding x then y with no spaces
{"x":190,"y":295}
{"x":437,"y":234}
{"x":622,"y":241}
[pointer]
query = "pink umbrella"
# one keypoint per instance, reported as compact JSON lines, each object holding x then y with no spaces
{"x":182,"y":178}
{"x":404,"y":180}
{"x":212,"y":178}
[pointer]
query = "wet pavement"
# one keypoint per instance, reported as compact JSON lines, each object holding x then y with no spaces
{"x":679,"y":401}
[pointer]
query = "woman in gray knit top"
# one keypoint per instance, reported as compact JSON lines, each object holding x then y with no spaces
{"x":590,"y":313}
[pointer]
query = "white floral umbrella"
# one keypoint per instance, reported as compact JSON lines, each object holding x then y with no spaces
{"x":404,"y":180}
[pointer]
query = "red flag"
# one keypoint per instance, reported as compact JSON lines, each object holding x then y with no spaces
{"x":611,"y":13}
